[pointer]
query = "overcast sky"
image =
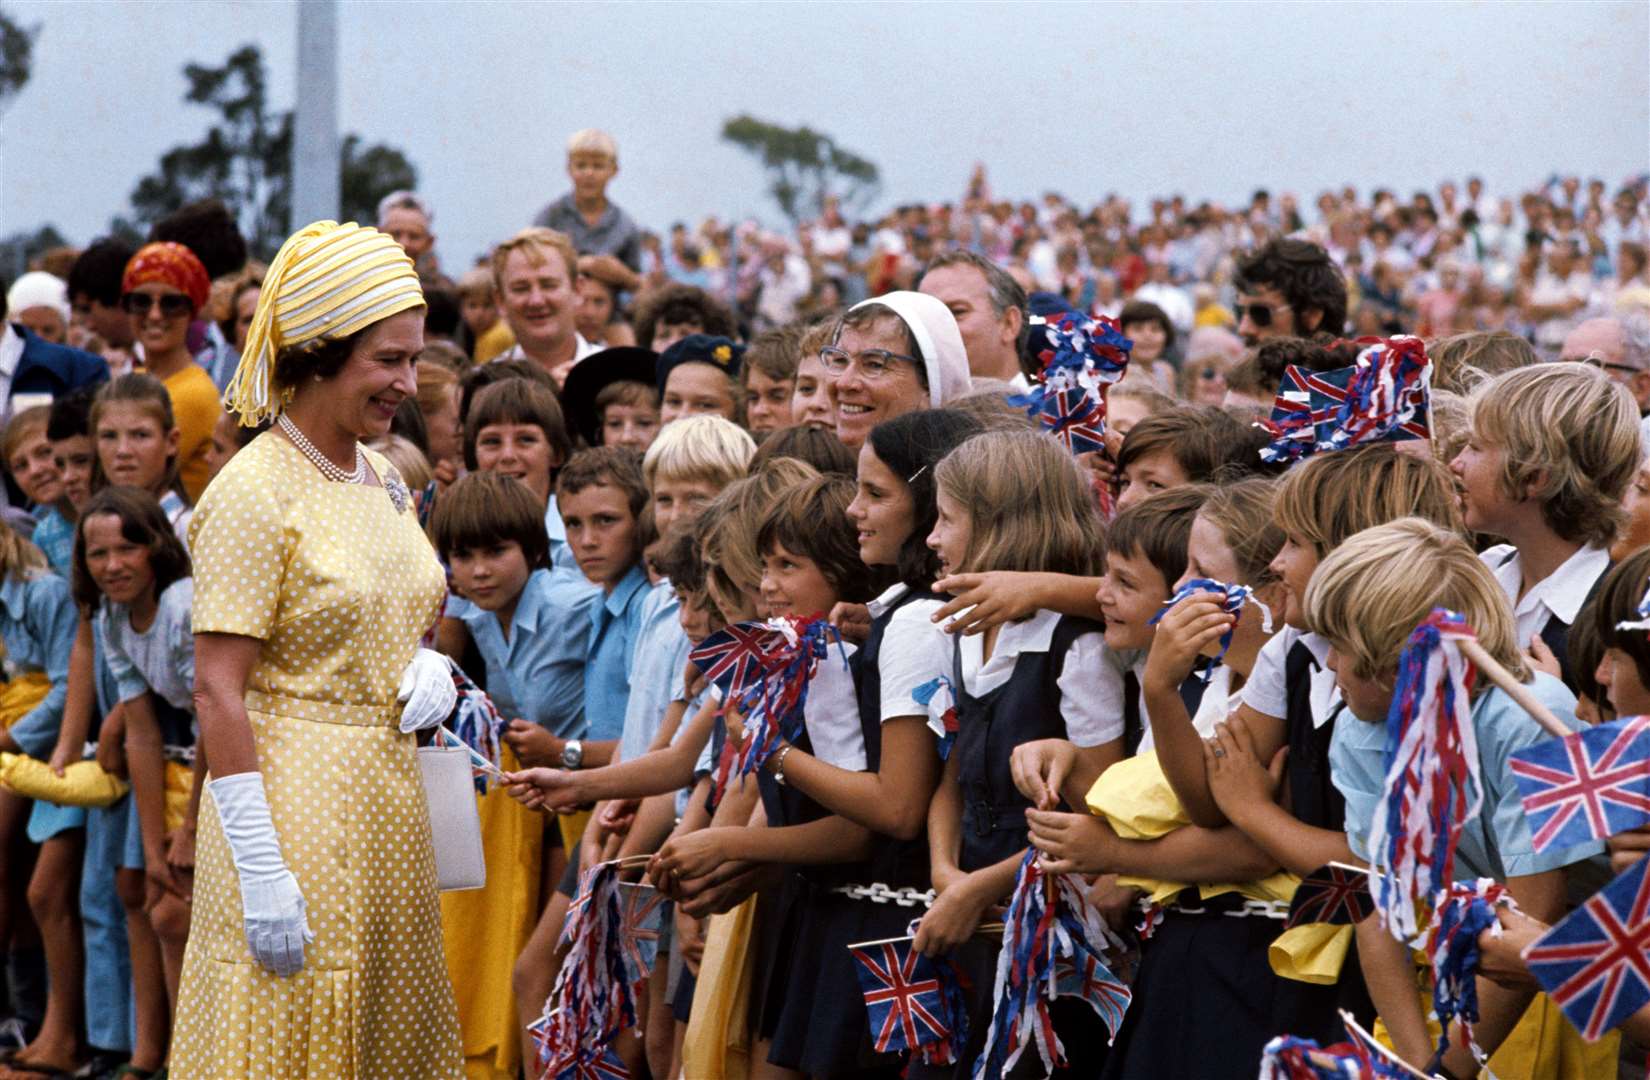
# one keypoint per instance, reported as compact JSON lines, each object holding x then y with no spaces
{"x":1211,"y":100}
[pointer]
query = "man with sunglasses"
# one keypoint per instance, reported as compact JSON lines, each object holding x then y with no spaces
{"x":1289,"y":288}
{"x":1621,"y":347}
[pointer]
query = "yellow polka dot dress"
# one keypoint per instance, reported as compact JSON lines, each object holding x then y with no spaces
{"x":339,"y":586}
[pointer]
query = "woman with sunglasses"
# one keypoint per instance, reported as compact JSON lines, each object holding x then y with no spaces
{"x":164,"y":288}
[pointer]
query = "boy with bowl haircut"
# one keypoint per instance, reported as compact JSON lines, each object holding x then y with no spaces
{"x":515,"y":427}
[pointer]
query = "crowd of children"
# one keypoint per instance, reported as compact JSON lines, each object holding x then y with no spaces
{"x":1030,"y":647}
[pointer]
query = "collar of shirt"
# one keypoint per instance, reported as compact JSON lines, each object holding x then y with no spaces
{"x":568,"y":207}
{"x":553,"y":526}
{"x":528,"y":605}
{"x":614,"y":603}
{"x":890,"y":596}
{"x":11,"y":353}
{"x":1032,"y":635}
{"x":1561,"y":593}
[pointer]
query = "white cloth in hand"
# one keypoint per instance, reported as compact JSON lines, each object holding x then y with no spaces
{"x":427,"y":692}
{"x":272,"y":906}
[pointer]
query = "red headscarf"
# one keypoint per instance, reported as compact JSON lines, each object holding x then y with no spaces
{"x":171,"y":264}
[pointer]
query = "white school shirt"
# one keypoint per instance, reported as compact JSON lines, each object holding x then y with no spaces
{"x":914,"y":651}
{"x":831,"y":713}
{"x":1215,"y":705}
{"x":161,"y":658}
{"x":1560,"y":593}
{"x":1091,"y":689}
{"x":1267,"y":691}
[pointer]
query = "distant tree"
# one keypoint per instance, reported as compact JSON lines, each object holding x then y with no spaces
{"x":19,"y":249}
{"x":804,"y":165}
{"x":16,"y":57}
{"x":246,"y":159}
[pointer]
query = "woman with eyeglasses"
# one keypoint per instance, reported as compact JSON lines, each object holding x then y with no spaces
{"x":164,"y":288}
{"x":892,"y":355}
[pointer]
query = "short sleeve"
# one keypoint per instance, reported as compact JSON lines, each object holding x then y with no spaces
{"x":1357,"y":754}
{"x":1267,"y":691}
{"x":914,"y":651}
{"x":180,"y":638}
{"x":1091,"y":693}
{"x":1502,"y":729}
{"x":238,"y":547}
{"x":129,"y":682}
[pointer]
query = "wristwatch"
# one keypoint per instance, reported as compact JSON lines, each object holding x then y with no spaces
{"x":572,"y":754}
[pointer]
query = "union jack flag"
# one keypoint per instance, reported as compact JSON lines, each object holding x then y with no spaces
{"x":1332,"y":410}
{"x":1087,"y":977}
{"x":641,"y":913}
{"x":737,"y":657}
{"x":902,"y":995}
{"x":589,"y":1065}
{"x":1077,"y":417}
{"x":1595,"y":962}
{"x":1331,"y":894}
{"x":1586,"y":786}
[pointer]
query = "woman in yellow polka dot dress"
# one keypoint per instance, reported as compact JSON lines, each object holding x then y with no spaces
{"x":315,"y":949}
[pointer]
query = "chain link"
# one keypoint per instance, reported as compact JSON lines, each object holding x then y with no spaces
{"x":878,"y":893}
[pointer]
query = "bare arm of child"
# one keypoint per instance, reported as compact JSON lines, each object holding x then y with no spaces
{"x":893,"y":800}
{"x":1246,"y":790}
{"x":1086,"y":844}
{"x":536,"y":745}
{"x":1390,"y":973}
{"x":78,"y":706}
{"x":147,"y":765}
{"x":452,"y":637}
{"x":672,"y":719}
{"x":1182,"y":635}
{"x":654,"y":820}
{"x":656,"y":772}
{"x":1000,"y":596}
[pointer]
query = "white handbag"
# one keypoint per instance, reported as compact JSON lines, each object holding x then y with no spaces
{"x":455,"y":824}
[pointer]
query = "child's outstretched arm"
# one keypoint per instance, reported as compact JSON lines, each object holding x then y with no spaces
{"x":1390,"y":974}
{"x":893,"y":800}
{"x":1000,"y":596}
{"x":656,"y":772}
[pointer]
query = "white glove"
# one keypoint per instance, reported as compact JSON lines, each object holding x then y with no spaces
{"x":272,"y":907}
{"x":427,"y":691}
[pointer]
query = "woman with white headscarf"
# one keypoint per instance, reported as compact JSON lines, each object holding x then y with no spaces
{"x":315,"y":947}
{"x":895,"y":354}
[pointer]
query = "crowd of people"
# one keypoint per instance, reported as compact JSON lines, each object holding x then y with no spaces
{"x":269,"y":525}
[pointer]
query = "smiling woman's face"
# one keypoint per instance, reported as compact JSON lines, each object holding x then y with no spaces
{"x":378,"y":376}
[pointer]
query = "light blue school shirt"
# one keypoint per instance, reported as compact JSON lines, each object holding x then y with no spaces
{"x":561,"y":556}
{"x":538,"y":674}
{"x":615,"y":622}
{"x":1497,"y":842}
{"x":54,"y":535}
{"x":661,"y":650}
{"x":38,"y":619}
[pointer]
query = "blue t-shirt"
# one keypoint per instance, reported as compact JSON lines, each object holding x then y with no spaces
{"x":538,"y":674}
{"x":661,"y":651}
{"x":38,"y":619}
{"x":615,"y":621}
{"x":1497,"y":842}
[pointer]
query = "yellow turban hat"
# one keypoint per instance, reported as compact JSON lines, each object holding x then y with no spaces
{"x":327,"y":281}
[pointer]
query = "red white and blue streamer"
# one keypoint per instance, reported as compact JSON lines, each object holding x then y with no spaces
{"x":1462,"y":913}
{"x":1432,"y":786}
{"x":938,"y":699}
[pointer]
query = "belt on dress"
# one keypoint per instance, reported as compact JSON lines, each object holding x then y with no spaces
{"x":324,"y":712}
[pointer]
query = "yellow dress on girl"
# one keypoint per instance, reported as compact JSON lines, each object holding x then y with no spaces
{"x":338,"y":584}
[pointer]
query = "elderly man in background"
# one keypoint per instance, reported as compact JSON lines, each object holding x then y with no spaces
{"x":1620,"y":346}
{"x":407,"y":219}
{"x":990,"y":309}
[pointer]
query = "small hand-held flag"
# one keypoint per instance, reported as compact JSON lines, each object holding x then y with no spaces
{"x":1589,"y":785}
{"x":1595,"y":962}
{"x":1432,"y":786}
{"x":904,"y":996}
{"x":1333,"y":894}
{"x":1383,"y":397}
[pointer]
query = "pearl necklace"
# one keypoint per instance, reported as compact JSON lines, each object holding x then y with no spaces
{"x":321,"y":461}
